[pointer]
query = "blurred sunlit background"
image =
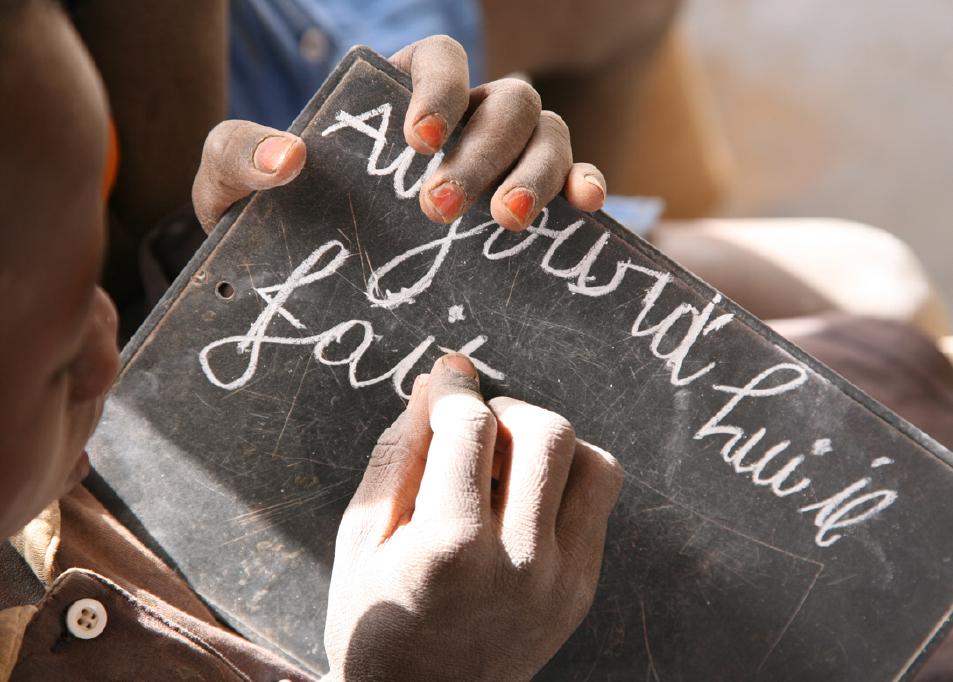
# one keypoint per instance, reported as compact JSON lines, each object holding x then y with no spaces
{"x":835,"y":109}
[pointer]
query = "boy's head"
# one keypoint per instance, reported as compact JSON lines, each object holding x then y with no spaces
{"x":57,"y":328}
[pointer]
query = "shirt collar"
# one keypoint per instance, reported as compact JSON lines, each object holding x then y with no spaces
{"x":37,"y":543}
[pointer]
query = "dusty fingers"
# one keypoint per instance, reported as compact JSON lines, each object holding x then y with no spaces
{"x":516,"y":570}
{"x":536,"y":462}
{"x":438,"y":68}
{"x":585,"y":187}
{"x":556,"y":493}
{"x":240,"y":157}
{"x":505,"y":113}
{"x":508,"y":136}
{"x":455,"y":488}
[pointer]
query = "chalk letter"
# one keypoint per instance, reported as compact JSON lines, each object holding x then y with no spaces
{"x":832,"y":511}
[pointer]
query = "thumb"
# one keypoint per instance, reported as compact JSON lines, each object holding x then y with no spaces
{"x":239,"y":158}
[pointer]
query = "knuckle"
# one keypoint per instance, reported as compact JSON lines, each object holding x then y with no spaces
{"x":556,"y":428}
{"x":461,"y":537}
{"x":522,"y":92}
{"x":394,"y":433}
{"x":388,"y":452}
{"x":451,"y":548}
{"x":218,"y":142}
{"x":603,"y":482}
{"x":536,"y":422}
{"x":445,"y":42}
{"x":500,"y":402}
{"x":615,"y":471}
{"x":584,"y":168}
{"x":472,"y":420}
{"x":554,"y":133}
{"x":554,"y":123}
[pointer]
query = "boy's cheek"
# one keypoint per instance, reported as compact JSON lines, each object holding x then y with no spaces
{"x":95,"y":369}
{"x":41,"y":457}
{"x":76,"y":476}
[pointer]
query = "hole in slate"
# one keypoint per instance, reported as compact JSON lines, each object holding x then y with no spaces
{"x":225,"y":291}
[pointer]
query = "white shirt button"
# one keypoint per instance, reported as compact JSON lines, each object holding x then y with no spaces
{"x":86,"y":619}
{"x":314,"y":45}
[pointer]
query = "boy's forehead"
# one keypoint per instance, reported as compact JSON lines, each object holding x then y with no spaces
{"x":48,"y":82}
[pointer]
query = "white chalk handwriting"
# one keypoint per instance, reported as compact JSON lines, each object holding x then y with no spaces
{"x":345,"y":344}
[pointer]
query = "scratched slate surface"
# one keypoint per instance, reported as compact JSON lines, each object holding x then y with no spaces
{"x":238,"y":470}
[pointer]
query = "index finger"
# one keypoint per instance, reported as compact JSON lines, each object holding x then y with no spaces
{"x":456,"y":481}
{"x":441,"y":77}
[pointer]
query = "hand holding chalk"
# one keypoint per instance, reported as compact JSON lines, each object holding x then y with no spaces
{"x":442,"y":572}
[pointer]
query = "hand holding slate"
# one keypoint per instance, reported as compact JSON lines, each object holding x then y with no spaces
{"x":439,"y":576}
{"x":506,"y":130}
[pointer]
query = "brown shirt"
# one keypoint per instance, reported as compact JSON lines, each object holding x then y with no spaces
{"x":155,"y":626}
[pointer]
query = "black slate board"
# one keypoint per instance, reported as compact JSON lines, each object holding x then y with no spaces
{"x":238,"y":471}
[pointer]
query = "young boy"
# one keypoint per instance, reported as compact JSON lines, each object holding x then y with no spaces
{"x":437,"y":576}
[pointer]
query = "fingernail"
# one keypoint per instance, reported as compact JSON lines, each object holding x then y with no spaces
{"x":271,"y":152}
{"x":458,"y":364}
{"x":596,"y":182}
{"x":447,"y":199}
{"x":431,"y":131}
{"x":520,"y":202}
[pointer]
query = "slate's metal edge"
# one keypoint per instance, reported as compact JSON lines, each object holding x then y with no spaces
{"x":630,"y":240}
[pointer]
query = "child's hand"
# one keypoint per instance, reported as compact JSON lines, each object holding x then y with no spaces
{"x":507,"y":134}
{"x":442,"y":572}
